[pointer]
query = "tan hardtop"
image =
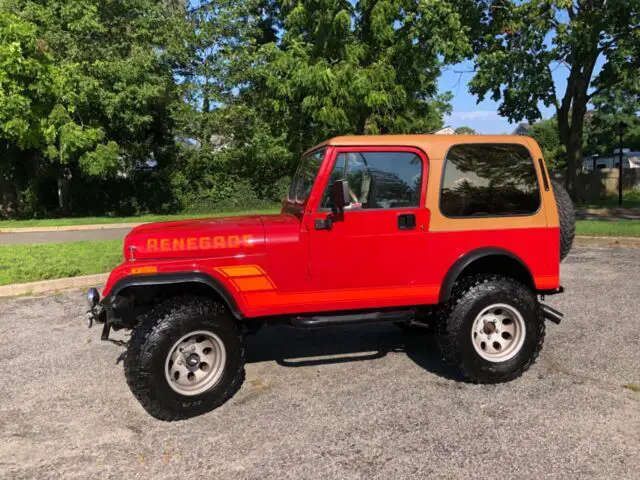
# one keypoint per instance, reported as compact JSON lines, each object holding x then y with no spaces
{"x":434,"y":146}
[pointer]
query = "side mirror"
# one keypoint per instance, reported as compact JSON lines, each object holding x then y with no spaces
{"x":340,"y":195}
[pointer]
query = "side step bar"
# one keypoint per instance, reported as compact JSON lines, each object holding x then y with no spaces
{"x":352,"y":319}
{"x":551,"y":314}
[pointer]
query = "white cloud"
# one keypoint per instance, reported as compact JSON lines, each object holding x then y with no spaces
{"x":476,"y":115}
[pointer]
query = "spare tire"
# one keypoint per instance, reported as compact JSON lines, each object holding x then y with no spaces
{"x":567,"y":218}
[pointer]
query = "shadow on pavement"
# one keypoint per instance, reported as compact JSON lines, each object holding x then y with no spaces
{"x":290,"y":347}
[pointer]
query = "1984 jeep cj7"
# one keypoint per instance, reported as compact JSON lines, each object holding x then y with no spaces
{"x":461,"y":231}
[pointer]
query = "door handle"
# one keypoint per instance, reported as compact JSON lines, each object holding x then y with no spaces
{"x":406,"y":221}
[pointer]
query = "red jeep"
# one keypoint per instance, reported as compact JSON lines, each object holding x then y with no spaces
{"x":460,"y":231}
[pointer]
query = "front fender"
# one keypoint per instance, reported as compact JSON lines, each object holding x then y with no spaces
{"x":176,"y":278}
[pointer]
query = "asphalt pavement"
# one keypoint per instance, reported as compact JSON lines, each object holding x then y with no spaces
{"x":360,"y":402}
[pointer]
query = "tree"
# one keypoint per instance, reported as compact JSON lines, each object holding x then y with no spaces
{"x":522,"y":42}
{"x":465,"y":131}
{"x":545,"y":132}
{"x":102,"y":102}
{"x":359,"y":67}
{"x":610,"y":108}
{"x":274,"y":78}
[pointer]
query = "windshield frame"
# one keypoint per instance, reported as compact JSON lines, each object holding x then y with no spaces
{"x":294,"y":192}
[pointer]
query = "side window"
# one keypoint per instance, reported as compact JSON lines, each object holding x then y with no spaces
{"x":378,"y":179}
{"x":489,"y":180}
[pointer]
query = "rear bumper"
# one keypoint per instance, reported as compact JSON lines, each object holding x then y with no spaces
{"x":553,"y":291}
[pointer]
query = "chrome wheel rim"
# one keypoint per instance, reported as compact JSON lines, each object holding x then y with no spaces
{"x":498,"y":333}
{"x":195,"y":362}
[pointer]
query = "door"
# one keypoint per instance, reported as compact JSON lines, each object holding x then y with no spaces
{"x":380,"y":241}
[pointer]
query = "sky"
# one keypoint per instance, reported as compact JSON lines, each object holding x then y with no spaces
{"x":482,"y":117}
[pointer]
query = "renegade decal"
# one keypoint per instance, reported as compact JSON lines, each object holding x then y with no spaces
{"x":198,"y":243}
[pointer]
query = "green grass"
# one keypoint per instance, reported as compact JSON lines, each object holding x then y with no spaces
{"x":630,"y":199}
{"x":30,"y":263}
{"x":634,"y":387}
{"x":608,"y":228}
{"x":60,"y":222}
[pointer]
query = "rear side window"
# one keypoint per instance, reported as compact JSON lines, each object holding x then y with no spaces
{"x":378,"y":179}
{"x":489,"y":180}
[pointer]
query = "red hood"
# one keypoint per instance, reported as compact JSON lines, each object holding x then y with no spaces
{"x":208,"y":237}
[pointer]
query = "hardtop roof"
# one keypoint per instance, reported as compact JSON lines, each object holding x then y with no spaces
{"x":427,"y":143}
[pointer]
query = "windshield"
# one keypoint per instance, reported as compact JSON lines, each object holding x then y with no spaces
{"x":305,"y":176}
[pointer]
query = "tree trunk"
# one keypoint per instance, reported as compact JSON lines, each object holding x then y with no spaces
{"x":63,"y":195}
{"x":574,"y":160}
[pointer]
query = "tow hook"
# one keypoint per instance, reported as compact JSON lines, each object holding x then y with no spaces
{"x":551,"y":314}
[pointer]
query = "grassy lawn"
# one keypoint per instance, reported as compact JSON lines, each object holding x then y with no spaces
{"x":630,"y":199}
{"x":30,"y":263}
{"x":59,"y":222}
{"x":608,"y":228}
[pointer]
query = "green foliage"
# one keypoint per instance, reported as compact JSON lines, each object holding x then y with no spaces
{"x":545,"y":132}
{"x":610,"y":108}
{"x":172,"y":105}
{"x":520,"y":43}
{"x":363,"y":68}
{"x":273,"y":79}
{"x":465,"y":131}
{"x":85,"y":90}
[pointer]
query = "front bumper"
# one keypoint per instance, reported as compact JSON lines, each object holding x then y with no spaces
{"x":96,"y":312}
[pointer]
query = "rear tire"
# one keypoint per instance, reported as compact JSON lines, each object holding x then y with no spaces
{"x":185,"y":358}
{"x":492,"y":329}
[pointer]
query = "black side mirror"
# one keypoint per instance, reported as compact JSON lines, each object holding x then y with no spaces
{"x":340,"y":195}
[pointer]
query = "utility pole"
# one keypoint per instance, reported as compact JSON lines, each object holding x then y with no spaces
{"x":620,"y":126}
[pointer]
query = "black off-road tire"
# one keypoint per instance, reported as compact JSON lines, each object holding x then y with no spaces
{"x":153,"y":337}
{"x":567,"y":216}
{"x":469,"y":298}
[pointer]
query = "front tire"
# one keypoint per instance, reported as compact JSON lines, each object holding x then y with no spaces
{"x":185,"y":358}
{"x":492,"y":329}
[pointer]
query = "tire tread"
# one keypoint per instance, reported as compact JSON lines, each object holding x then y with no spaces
{"x":467,"y":289}
{"x":150,"y":328}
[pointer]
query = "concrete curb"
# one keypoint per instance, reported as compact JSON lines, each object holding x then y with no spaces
{"x":587,"y":240}
{"x":70,"y":228}
{"x":49,"y":286}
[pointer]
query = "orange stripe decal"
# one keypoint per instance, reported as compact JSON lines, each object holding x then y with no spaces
{"x":252,"y":284}
{"x":142,"y":270}
{"x":270,"y":299}
{"x":241,"y":271}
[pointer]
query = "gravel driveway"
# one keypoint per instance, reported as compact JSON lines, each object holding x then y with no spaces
{"x":367,"y":402}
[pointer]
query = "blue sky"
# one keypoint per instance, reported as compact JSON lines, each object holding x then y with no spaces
{"x":482,"y":117}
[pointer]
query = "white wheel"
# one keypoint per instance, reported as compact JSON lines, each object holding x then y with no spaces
{"x":195,"y":362}
{"x":498,"y":333}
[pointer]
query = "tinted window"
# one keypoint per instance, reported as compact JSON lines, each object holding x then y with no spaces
{"x":488,"y":180}
{"x":305,"y":176}
{"x":378,"y":179}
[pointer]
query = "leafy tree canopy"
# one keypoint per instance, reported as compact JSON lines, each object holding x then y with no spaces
{"x":520,"y":43}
